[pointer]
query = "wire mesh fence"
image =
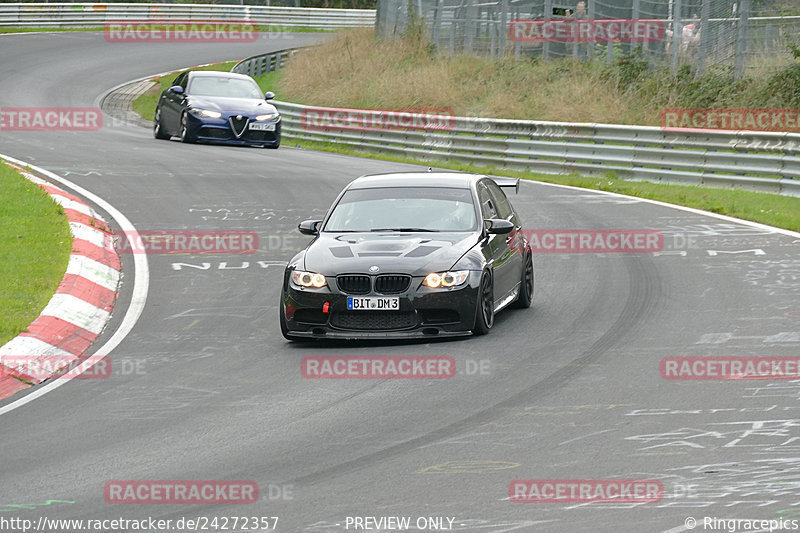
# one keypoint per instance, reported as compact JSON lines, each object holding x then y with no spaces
{"x":740,"y":35}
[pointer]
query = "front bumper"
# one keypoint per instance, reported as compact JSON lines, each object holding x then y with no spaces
{"x":423,"y":312}
{"x":219,"y":130}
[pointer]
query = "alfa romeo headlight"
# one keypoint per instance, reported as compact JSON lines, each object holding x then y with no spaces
{"x":268,"y":116}
{"x":434,"y":280}
{"x":308,"y":279}
{"x":206,"y":113}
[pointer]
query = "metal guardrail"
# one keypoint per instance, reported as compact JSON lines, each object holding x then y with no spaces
{"x":77,"y":15}
{"x":263,"y":63}
{"x":759,"y":161}
{"x":765,"y":162}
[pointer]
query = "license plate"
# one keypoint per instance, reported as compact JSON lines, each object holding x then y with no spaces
{"x":262,"y":127}
{"x":372,"y":303}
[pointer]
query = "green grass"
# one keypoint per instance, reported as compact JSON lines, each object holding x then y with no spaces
{"x":36,"y":244}
{"x":771,"y":209}
{"x":7,"y":29}
{"x":270,"y":82}
{"x":356,"y":70}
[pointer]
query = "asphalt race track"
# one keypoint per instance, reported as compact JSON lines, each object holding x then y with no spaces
{"x":207,"y":389}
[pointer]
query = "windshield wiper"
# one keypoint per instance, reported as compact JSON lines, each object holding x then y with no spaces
{"x":404,"y":229}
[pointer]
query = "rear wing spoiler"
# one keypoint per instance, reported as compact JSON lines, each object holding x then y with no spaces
{"x":507,"y":182}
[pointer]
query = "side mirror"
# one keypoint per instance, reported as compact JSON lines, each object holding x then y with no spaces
{"x":269,"y":95}
{"x":177,"y":89}
{"x":498,"y":226}
{"x":309,"y":227}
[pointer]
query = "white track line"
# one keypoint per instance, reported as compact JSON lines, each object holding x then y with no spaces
{"x":726,"y":218}
{"x":142,"y":275}
{"x":141,"y":283}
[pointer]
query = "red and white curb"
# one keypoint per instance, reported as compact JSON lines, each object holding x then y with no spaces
{"x":81,"y":306}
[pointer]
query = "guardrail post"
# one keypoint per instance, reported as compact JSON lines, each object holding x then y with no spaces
{"x":380,"y":23}
{"x":548,"y":14}
{"x":741,"y":38}
{"x":437,"y":22}
{"x":470,"y":26}
{"x":591,"y":46}
{"x":677,"y":34}
{"x":635,"y":14}
{"x":704,"y":37}
{"x":503,"y":27}
{"x":453,"y":26}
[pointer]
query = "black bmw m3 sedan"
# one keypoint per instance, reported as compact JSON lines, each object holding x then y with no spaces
{"x":409,"y":255}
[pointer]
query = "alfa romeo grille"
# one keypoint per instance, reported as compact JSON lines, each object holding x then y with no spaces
{"x":238,"y":125}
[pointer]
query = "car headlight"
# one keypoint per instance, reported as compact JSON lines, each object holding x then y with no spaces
{"x":434,"y":280}
{"x":206,"y":113}
{"x":268,"y":116}
{"x":308,"y":279}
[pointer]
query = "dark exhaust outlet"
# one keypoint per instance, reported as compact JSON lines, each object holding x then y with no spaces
{"x":318,"y":331}
{"x":430,"y":331}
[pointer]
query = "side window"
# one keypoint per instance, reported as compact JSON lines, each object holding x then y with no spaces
{"x":181,"y":80}
{"x":488,"y":209}
{"x":500,"y":200}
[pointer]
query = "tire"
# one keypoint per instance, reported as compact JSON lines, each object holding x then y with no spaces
{"x":484,"y":314}
{"x":158,"y":129}
{"x":184,"y":134}
{"x":525,"y":296}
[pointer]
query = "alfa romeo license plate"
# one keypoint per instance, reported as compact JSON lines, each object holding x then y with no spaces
{"x":262,"y":127}
{"x":372,"y":303}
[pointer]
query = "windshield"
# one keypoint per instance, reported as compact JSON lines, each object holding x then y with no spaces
{"x":226,"y":87}
{"x":404,"y":209}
